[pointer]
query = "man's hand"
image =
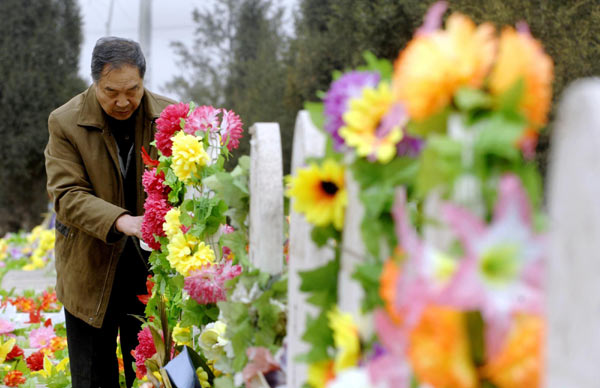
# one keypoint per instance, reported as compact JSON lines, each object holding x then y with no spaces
{"x":130,"y":225}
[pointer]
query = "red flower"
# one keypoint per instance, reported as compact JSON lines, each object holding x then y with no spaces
{"x":167,"y":124}
{"x":36,"y":361}
{"x":14,"y":378}
{"x":203,"y":118}
{"x":155,"y":209}
{"x":149,"y":285}
{"x":49,"y":301}
{"x":231,"y":127}
{"x":24,"y":304}
{"x":207,"y":285}
{"x":143,"y":351}
{"x":14,"y":353}
{"x":148,"y":161}
{"x":35,"y":316}
{"x":154,"y":183}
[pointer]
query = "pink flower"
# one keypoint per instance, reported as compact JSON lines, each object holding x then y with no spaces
{"x":207,"y":285}
{"x":38,"y":338}
{"x":203,"y":118}
{"x":156,"y":208}
{"x":231,"y":129}
{"x":154,"y":183}
{"x":143,"y":351}
{"x":167,"y":124}
{"x":260,"y":361}
{"x":501,"y":274}
{"x":6,"y":326}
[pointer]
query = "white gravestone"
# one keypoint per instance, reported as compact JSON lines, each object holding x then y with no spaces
{"x":573,"y":270}
{"x":266,"y":198}
{"x":304,"y":254}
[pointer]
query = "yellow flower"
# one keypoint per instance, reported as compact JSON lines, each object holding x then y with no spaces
{"x":212,"y":340}
{"x":345,"y":338}
{"x":3,"y":248}
{"x":520,"y":57}
{"x":50,"y":369}
{"x":319,"y":193}
{"x":172,"y":225}
{"x":439,"y":350}
{"x":182,"y":335}
{"x":188,"y":156}
{"x":519,"y":363}
{"x":434,"y":66}
{"x":187,"y":253}
{"x":5,"y":348}
{"x":320,"y":373}
{"x":202,"y":377}
{"x":362,"y":121}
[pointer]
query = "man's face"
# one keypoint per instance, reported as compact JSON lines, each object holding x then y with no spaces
{"x":119,"y":91}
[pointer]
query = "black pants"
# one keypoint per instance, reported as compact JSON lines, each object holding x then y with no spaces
{"x":92,"y":351}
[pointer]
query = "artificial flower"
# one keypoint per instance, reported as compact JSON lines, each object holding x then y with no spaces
{"x":187,"y":253}
{"x":35,"y":361}
{"x":40,"y":337}
{"x":345,"y":339}
{"x":502,"y":269}
{"x":366,"y":127}
{"x":6,"y":348}
{"x":167,"y":124}
{"x":388,"y":288}
{"x":56,"y":343}
{"x":49,"y":301}
{"x":260,"y":361}
{"x":320,"y":374}
{"x":6,"y":326}
{"x":519,"y":362}
{"x":203,"y":118}
{"x":522,"y":58}
{"x":212,"y":340}
{"x":435,"y":64}
{"x":144,"y":298}
{"x":14,"y":378}
{"x":202,"y":377}
{"x":207,"y":284}
{"x":320,"y":194}
{"x":188,"y":156}
{"x":439,"y":349}
{"x":156,"y":208}
{"x":50,"y":369}
{"x":23,"y":304}
{"x":147,"y":159}
{"x":143,"y":351}
{"x":154,"y":183}
{"x":172,"y":225}
{"x":348,"y":86}
{"x":14,"y":353}
{"x":182,"y":335}
{"x":231,"y":129}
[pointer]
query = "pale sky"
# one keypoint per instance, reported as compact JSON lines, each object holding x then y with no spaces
{"x":171,"y":21}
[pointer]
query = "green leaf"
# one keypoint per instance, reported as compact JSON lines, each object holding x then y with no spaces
{"x":434,"y":124}
{"x":316,"y":112}
{"x":440,"y":164}
{"x":498,"y":135}
{"x":185,"y":218}
{"x":320,"y":336}
{"x":467,"y":99}
{"x":322,"y":234}
{"x":382,"y":66}
{"x":475,"y":330}
{"x":510,"y":100}
{"x":224,"y":382}
{"x":368,"y":274}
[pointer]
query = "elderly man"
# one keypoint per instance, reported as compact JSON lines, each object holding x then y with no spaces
{"x":94,"y":168}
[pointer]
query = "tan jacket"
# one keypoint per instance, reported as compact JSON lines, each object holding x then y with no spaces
{"x":86,"y":186}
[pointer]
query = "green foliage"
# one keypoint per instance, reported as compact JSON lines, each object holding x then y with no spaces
{"x":39,"y":55}
{"x":368,"y":274}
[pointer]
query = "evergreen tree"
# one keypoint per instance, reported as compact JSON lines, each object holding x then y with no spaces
{"x":39,"y":53}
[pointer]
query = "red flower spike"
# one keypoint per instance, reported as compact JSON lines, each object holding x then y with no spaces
{"x":148,"y":161}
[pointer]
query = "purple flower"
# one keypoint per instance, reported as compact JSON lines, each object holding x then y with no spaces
{"x":410,"y":146}
{"x":348,"y":86}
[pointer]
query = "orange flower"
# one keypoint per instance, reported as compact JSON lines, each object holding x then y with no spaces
{"x":519,"y":363}
{"x":433,"y":66}
{"x":387,"y":289}
{"x":522,"y":57}
{"x":24,"y":304}
{"x":439,"y":350}
{"x":14,"y":378}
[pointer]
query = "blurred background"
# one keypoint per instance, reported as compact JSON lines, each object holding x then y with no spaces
{"x":261,"y":58}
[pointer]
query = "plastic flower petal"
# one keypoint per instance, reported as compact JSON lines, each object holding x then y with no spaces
{"x":320,"y":373}
{"x":341,"y":91}
{"x":521,"y":57}
{"x":231,"y":129}
{"x":439,"y":350}
{"x":5,"y":348}
{"x":39,"y":338}
{"x":260,"y":360}
{"x":207,"y":284}
{"x":143,"y":351}
{"x":6,"y":326}
{"x":172,"y":225}
{"x":203,"y":118}
{"x":345,"y":339}
{"x":167,"y":124}
{"x":14,"y":378}
{"x":155,"y":209}
{"x":436,"y":64}
{"x":188,"y":156}
{"x":362,"y":124}
{"x":187,"y":253}
{"x":320,"y":194}
{"x":212,"y":340}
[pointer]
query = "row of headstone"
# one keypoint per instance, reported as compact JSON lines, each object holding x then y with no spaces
{"x":573,"y":267}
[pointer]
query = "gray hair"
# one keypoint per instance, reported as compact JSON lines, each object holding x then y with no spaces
{"x":116,"y":52}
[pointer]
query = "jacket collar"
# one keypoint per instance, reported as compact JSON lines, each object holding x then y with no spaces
{"x":91,"y":113}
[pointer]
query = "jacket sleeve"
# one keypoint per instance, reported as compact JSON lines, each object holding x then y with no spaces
{"x":75,"y":202}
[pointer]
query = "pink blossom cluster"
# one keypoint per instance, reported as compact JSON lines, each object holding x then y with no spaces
{"x":207,"y":285}
{"x":155,"y":207}
{"x":143,"y":351}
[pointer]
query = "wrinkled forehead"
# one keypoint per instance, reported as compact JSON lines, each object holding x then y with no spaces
{"x":121,"y":78}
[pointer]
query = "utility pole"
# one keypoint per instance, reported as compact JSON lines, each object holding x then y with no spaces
{"x":145,"y":37}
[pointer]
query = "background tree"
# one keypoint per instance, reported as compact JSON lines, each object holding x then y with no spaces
{"x":39,"y":53}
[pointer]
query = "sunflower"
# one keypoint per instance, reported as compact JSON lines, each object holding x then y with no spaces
{"x":363,"y":120}
{"x":319,"y":193}
{"x":435,"y":65}
{"x":521,"y":57}
{"x":345,"y":338}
